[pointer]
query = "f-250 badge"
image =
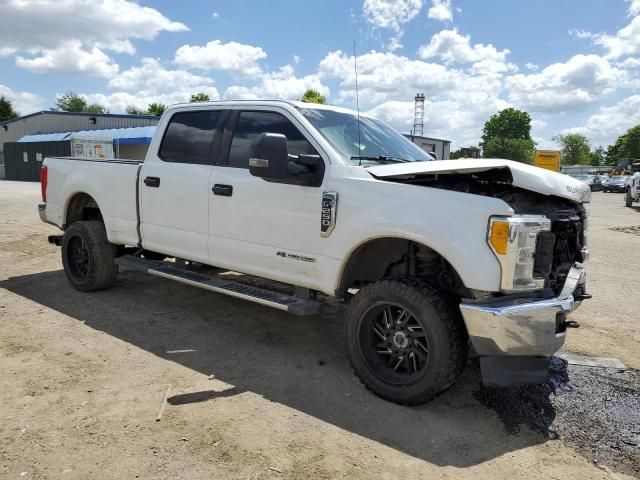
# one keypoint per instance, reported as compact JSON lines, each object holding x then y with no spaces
{"x":328,"y":215}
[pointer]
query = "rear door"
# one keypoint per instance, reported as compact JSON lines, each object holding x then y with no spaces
{"x":174,"y":186}
{"x":265,"y":228}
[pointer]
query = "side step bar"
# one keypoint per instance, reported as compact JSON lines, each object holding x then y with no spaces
{"x":287,"y":303}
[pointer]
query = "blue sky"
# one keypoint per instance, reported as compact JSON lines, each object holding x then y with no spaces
{"x":573,"y":64}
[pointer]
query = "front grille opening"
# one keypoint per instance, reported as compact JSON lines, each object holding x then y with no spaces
{"x":558,"y":250}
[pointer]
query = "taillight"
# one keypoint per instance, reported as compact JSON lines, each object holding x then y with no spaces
{"x":43,"y":183}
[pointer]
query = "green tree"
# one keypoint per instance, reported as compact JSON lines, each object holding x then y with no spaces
{"x":6,"y":109}
{"x":313,"y":96}
{"x":199,"y":97}
{"x":156,"y":109}
{"x":71,"y":102}
{"x":518,"y":149}
{"x":575,"y":149}
{"x":507,"y":134}
{"x":598,"y":157}
{"x":626,"y":145}
{"x":615,"y":151}
{"x":133,"y":110}
{"x":95,"y":108}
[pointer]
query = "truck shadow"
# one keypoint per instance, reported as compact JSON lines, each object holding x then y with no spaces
{"x":299,"y":362}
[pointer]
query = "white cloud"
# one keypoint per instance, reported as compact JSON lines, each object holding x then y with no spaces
{"x":69,"y":57}
{"x":232,"y":56}
{"x":582,"y":80}
{"x":65,"y":36}
{"x":625,"y":42}
{"x":452,"y":48}
{"x":117,"y":102}
{"x":384,"y":76}
{"x":458,"y":101}
{"x":610,"y":122}
{"x":45,"y":23}
{"x":576,"y":32}
{"x":151,"y":75}
{"x":280,"y":84}
{"x":392,"y":14}
{"x":215,"y":15}
{"x":23,"y":102}
{"x":531,"y":66}
{"x":459,"y":120}
{"x":151,"y":82}
{"x":440,"y":10}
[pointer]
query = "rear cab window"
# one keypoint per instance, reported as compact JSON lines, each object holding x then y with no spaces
{"x":189,"y":137}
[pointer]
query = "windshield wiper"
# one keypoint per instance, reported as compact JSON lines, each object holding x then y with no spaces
{"x":379,"y":158}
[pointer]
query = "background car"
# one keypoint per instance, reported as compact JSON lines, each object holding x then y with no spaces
{"x":594,"y":182}
{"x":617,"y":183}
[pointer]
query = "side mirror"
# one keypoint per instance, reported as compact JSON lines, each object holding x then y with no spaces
{"x":269,"y":156}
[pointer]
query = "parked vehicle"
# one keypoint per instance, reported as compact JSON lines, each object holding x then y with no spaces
{"x":632,"y":193}
{"x":432,"y":257}
{"x":617,"y":183}
{"x":595,"y":184}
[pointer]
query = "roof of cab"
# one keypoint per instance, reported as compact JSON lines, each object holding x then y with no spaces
{"x":266,"y":102}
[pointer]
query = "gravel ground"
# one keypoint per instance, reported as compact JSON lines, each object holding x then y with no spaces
{"x":254,"y":393}
{"x":595,"y":410}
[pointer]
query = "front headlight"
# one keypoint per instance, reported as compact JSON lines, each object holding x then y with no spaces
{"x":513,"y":240}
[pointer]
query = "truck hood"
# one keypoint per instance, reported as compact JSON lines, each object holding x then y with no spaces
{"x":520,"y":175}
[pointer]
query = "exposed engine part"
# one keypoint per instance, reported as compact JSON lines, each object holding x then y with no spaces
{"x":556,"y":250}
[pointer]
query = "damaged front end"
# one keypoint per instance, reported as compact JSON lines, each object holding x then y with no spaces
{"x":541,"y":248}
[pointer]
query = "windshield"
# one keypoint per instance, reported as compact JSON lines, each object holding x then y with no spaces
{"x":617,"y":179}
{"x":373,"y":142}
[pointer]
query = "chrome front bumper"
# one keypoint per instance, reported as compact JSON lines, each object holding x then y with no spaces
{"x":523,"y":327}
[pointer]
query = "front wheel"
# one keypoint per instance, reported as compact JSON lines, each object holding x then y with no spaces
{"x":406,"y":343}
{"x":628,"y":200}
{"x":87,"y":256}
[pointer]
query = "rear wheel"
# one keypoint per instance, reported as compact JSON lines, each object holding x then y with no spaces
{"x":87,"y":256}
{"x":405,"y":342}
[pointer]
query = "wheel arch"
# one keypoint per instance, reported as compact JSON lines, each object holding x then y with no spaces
{"x":388,"y":256}
{"x":81,"y":206}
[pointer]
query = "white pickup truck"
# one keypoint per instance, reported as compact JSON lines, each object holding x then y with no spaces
{"x":432,"y":257}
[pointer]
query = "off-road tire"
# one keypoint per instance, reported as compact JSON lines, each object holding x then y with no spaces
{"x":628,"y":201}
{"x":438,"y":318}
{"x":100,"y":272}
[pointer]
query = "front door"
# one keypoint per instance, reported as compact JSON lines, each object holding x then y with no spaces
{"x":262,"y":227}
{"x":174,"y":187}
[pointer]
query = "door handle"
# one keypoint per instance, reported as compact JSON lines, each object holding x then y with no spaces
{"x":152,"y":181}
{"x":222,"y":190}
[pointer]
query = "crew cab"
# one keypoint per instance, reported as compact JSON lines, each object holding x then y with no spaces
{"x":435,"y":260}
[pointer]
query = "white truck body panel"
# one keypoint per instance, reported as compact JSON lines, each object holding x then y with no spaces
{"x":112,"y":184}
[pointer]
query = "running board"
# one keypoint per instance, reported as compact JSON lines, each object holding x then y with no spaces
{"x":287,"y":303}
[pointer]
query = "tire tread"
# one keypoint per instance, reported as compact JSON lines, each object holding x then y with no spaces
{"x":418,"y":291}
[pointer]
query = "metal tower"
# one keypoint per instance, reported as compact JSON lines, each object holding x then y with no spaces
{"x":418,"y":118}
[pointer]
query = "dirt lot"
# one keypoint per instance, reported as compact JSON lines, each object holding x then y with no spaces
{"x":83,"y":376}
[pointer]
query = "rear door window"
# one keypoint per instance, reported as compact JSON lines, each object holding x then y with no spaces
{"x":189,"y":137}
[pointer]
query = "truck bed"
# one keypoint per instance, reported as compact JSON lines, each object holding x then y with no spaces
{"x":112,"y":183}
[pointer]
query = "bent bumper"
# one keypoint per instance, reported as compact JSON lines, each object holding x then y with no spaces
{"x":520,"y":328}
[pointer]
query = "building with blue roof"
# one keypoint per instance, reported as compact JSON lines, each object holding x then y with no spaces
{"x":58,"y":124}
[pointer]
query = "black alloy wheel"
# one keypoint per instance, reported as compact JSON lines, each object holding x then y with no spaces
{"x":394,"y":343}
